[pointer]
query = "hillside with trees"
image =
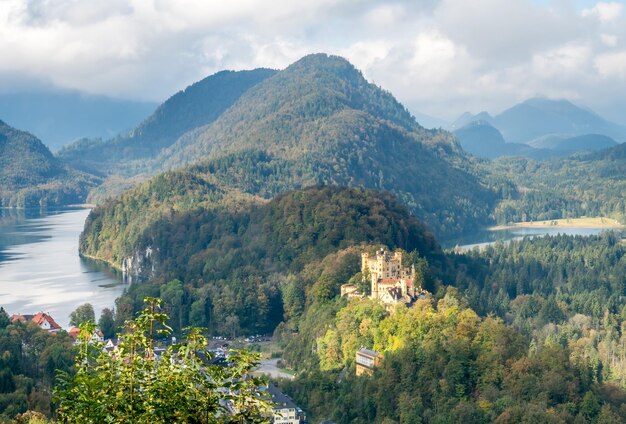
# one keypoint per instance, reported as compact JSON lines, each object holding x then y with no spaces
{"x":320,"y":122}
{"x":530,"y":331}
{"x":225,"y":267}
{"x":30,"y":176}
{"x":590,"y":184}
{"x":194,"y":107}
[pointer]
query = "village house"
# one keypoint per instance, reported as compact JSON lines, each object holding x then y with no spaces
{"x":97,"y":336}
{"x":284,"y":410}
{"x":366,"y":361}
{"x":390,"y":282}
{"x":41,"y":319}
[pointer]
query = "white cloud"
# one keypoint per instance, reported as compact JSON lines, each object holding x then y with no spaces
{"x":605,"y":12}
{"x":612,"y":64}
{"x":438,"y":56}
{"x":609,"y":40}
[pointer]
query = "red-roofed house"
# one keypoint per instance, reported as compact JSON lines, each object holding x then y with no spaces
{"x":43,"y":320}
{"x":96,"y":337}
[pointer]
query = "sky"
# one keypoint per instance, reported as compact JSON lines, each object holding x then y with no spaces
{"x":439,"y":57}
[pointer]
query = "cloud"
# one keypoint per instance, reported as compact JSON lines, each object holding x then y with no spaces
{"x":437,"y":56}
{"x":612,"y":64}
{"x":605,"y":12}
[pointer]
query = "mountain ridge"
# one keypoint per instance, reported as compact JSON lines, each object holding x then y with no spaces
{"x":30,"y":176}
{"x":197,"y":105}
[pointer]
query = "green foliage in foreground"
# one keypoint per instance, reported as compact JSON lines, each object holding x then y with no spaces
{"x":133,"y":384}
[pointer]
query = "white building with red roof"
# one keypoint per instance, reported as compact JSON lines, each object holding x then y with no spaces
{"x":42,"y":319}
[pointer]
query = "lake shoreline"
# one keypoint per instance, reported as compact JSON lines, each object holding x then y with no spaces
{"x":104,"y":261}
{"x":602,"y":223}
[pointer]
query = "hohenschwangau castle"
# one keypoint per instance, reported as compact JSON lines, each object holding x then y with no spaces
{"x":390,"y":283}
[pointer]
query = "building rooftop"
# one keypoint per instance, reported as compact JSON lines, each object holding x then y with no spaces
{"x":368,"y":352}
{"x":280,"y":399}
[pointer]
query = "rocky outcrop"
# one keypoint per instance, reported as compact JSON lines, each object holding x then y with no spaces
{"x":140,"y":266}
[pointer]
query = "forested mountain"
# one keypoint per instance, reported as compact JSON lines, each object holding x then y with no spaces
{"x":302,"y":108}
{"x":230,"y":258}
{"x":591,"y":184}
{"x":59,"y":117}
{"x":31,"y":176}
{"x":320,"y":122}
{"x":198,"y":105}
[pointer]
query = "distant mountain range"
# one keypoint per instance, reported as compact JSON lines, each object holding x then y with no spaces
{"x":60,"y":117}
{"x":30,"y":176}
{"x":550,"y":127}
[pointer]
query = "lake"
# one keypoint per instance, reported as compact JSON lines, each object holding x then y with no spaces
{"x":486,"y":237}
{"x":40,"y":269}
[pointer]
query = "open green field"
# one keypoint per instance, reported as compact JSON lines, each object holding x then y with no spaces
{"x":584,"y":222}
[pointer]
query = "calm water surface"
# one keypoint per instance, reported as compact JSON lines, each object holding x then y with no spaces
{"x":486,"y":237}
{"x":40,"y":269}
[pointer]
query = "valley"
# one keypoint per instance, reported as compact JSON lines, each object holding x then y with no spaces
{"x":246,"y":204}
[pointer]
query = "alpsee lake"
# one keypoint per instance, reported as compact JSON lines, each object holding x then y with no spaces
{"x":487,"y":237}
{"x":40,"y":269}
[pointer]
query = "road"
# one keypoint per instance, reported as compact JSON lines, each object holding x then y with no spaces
{"x":270,"y":367}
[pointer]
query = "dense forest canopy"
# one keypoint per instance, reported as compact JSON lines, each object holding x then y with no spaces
{"x":233,"y":259}
{"x":591,"y":184}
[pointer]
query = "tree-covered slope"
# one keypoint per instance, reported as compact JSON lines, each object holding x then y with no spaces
{"x":591,"y":184}
{"x":31,"y":176}
{"x":198,"y":105}
{"x":320,"y":122}
{"x":233,"y":256}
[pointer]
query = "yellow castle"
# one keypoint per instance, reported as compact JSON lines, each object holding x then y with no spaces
{"x":390,"y":282}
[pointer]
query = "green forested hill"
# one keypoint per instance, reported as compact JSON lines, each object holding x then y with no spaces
{"x":31,"y":176}
{"x":590,"y":184}
{"x":198,"y":105}
{"x":287,"y":112}
{"x":320,"y":122}
{"x":232,"y":257}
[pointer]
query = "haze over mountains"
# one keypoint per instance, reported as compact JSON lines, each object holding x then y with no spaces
{"x":59,"y":117}
{"x":198,"y":105}
{"x":550,"y":127}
